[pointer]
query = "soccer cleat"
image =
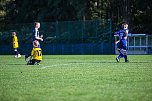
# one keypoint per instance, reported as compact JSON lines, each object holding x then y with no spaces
{"x":117,"y":60}
{"x":18,"y":55}
{"x":126,"y":60}
{"x":15,"y":56}
{"x":29,"y":62}
{"x":36,"y":63}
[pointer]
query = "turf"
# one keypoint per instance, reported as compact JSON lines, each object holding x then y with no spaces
{"x":76,"y":78}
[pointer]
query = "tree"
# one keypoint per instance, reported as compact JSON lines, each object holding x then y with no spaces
{"x":138,"y":13}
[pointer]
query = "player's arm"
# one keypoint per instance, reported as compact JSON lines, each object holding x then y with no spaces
{"x":116,"y":33}
{"x":126,"y":34}
{"x":38,"y":38}
{"x":116,"y":42}
{"x":41,"y":36}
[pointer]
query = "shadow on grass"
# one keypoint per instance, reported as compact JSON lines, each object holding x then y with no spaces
{"x":108,"y":62}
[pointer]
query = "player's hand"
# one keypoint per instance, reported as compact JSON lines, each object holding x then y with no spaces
{"x":41,"y":39}
{"x":41,"y":36}
{"x":116,"y":42}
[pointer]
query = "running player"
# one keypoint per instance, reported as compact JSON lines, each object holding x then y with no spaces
{"x":122,"y":48}
{"x":15,"y":45}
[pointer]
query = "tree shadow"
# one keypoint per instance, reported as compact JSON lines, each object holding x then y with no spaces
{"x":134,"y":62}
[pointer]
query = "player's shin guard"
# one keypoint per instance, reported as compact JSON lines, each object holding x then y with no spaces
{"x":125,"y":56}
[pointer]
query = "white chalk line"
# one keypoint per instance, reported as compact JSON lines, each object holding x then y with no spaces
{"x":56,"y":65}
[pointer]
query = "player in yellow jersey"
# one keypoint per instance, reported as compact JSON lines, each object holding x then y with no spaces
{"x":36,"y":54}
{"x":15,"y":45}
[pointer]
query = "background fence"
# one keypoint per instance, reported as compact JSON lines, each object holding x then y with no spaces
{"x":68,"y":37}
{"x":138,"y":44}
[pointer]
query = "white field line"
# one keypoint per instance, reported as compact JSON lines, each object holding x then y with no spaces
{"x":56,"y":65}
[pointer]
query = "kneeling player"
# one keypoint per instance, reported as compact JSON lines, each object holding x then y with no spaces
{"x":36,"y":55}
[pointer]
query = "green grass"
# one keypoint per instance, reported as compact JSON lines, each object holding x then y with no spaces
{"x":76,"y":78}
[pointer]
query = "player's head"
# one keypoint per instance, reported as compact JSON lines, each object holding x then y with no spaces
{"x":35,"y":43}
{"x":125,"y":26}
{"x":37,"y":24}
{"x":13,"y":33}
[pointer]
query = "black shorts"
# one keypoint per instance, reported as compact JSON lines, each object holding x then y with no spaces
{"x":123,"y":44}
{"x":33,"y":62}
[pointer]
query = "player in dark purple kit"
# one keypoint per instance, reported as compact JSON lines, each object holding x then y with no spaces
{"x":122,"y":34}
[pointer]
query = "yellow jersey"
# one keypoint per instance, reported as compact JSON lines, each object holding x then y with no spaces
{"x":37,"y":53}
{"x":15,"y":41}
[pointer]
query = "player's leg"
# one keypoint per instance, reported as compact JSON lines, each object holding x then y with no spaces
{"x":16,"y":52}
{"x":125,"y":56}
{"x":37,"y":62}
{"x":125,"y":52}
{"x":31,"y":62}
{"x":27,"y":56}
{"x":120,"y":51}
{"x":121,"y":55}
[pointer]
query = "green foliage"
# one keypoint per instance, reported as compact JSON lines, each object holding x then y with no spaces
{"x":138,"y":13}
{"x":76,"y":78}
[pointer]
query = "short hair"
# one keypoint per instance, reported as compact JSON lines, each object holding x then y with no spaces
{"x":36,"y":23}
{"x":13,"y":32}
{"x":124,"y":25}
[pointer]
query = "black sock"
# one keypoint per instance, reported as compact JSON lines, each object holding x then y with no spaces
{"x":125,"y":56}
{"x":15,"y":52}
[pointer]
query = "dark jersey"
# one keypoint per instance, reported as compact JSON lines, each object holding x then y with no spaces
{"x":35,"y":33}
{"x":123,"y":38}
{"x":122,"y":34}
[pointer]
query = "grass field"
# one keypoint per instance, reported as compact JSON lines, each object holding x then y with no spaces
{"x":76,"y":78}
